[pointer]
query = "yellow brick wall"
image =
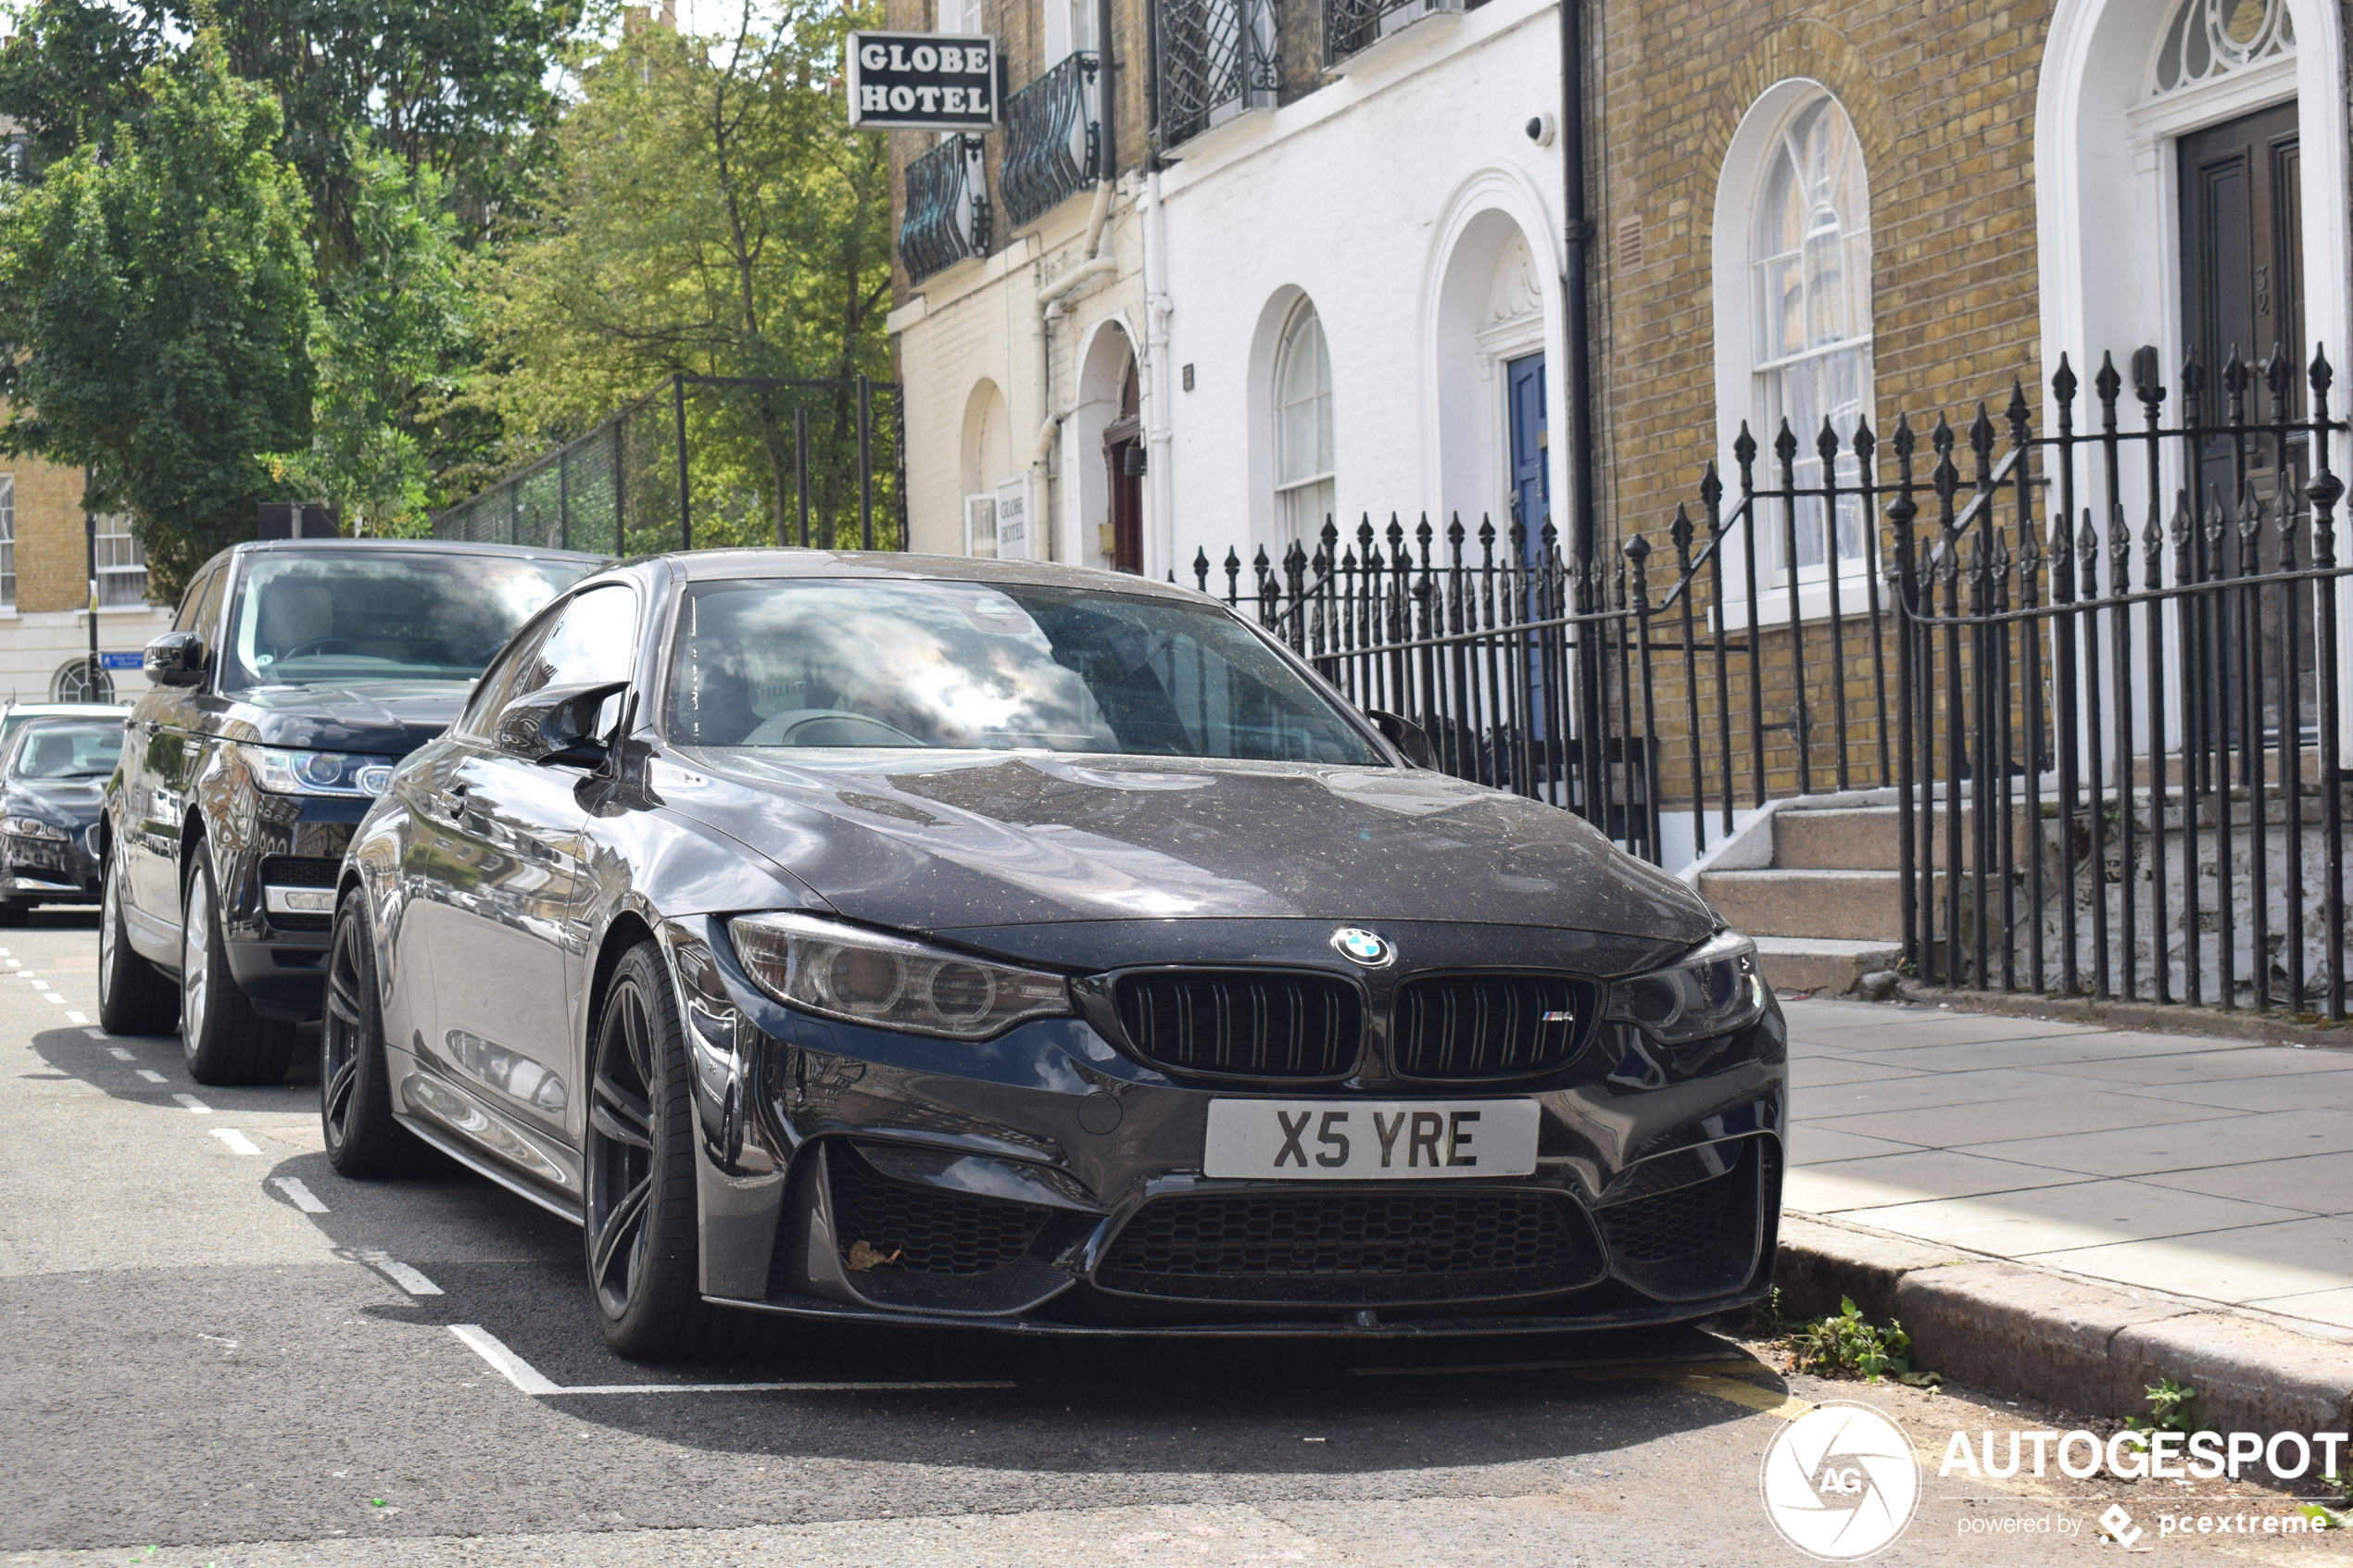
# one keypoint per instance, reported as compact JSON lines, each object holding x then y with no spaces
{"x":52,"y":553}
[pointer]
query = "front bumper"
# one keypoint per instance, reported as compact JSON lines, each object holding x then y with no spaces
{"x":1046,"y":1181}
{"x":286,"y":843}
{"x":50,"y":871}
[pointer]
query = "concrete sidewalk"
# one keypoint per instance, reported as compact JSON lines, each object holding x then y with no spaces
{"x":2213,"y":1170}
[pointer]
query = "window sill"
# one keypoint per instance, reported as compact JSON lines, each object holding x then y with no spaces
{"x":1813,"y":603}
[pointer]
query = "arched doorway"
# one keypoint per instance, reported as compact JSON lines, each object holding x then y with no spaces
{"x":1106,"y":454}
{"x":1493,"y":382}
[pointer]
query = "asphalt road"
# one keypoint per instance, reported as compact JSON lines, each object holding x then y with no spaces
{"x":218,"y":1352}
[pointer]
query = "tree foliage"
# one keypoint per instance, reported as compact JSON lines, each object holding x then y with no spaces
{"x":156,"y":309}
{"x":708,"y":212}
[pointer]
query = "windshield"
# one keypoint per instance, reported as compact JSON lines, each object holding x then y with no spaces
{"x":56,"y":750}
{"x":967,"y":666}
{"x":376,"y":615}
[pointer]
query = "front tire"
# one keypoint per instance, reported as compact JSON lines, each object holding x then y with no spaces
{"x":227,"y":1042}
{"x":134,"y":997}
{"x":642,"y":1245}
{"x":354,"y":1086}
{"x":14,"y":913}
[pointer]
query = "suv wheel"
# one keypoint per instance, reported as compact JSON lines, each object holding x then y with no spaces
{"x":134,"y":997}
{"x":226,"y":1040}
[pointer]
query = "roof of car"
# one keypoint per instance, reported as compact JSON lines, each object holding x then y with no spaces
{"x":702,"y":566}
{"x":431,"y":546}
{"x":63,"y":710}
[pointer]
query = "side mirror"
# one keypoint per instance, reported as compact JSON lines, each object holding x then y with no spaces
{"x":556,"y":726}
{"x":1405,"y":735}
{"x":176,"y":658}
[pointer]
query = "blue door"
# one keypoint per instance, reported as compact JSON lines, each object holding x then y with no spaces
{"x":1531,"y":486}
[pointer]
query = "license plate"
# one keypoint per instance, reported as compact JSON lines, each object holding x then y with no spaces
{"x":1322,"y":1140}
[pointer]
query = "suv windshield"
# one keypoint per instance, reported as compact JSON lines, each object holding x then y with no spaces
{"x":66,"y":750}
{"x":971,"y":666}
{"x":379,"y":615}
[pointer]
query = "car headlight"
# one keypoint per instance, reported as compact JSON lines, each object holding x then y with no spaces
{"x":316,"y":773}
{"x":1712,"y":990}
{"x":33,"y":827}
{"x":865,"y":977}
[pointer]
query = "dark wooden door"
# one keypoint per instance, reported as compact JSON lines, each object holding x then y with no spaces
{"x":2243,"y":298}
{"x":1124,"y":477}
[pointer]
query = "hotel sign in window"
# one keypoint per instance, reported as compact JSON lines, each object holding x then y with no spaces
{"x":122,"y":565}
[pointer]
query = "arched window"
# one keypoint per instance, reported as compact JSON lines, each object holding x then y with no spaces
{"x":1810,"y":259}
{"x":2212,"y":38}
{"x":1303,"y":492}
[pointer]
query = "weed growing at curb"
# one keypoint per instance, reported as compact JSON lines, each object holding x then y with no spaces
{"x":1844,"y":1344}
{"x":2169,"y":1403}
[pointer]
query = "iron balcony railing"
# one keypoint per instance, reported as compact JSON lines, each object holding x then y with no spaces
{"x":946,"y":217}
{"x":1353,"y":26}
{"x":1217,"y":58}
{"x":1051,"y":134}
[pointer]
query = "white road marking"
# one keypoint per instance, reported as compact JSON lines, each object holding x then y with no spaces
{"x":121,"y":1055}
{"x":238,"y":1143}
{"x":400,"y":1274}
{"x":72,"y":1017}
{"x":149,"y":1073}
{"x":52,"y":996}
{"x":531,"y":1380}
{"x":298,"y":1195}
{"x":97,"y":1033}
{"x":192,"y":1103}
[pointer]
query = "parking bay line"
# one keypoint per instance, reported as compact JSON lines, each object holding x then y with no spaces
{"x":238,"y":1143}
{"x":72,"y":1017}
{"x":149,"y":1073}
{"x":400,"y":1274}
{"x":192,"y":1103}
{"x":298,"y":1195}
{"x":532,"y":1381}
{"x":121,"y":1055}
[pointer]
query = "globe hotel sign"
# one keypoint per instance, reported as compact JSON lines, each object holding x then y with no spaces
{"x":922,"y":81}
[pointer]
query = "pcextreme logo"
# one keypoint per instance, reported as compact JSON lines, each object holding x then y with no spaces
{"x":1840,"y":1481}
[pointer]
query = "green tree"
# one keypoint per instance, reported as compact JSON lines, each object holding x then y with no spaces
{"x":710,"y":213}
{"x":156,"y":310}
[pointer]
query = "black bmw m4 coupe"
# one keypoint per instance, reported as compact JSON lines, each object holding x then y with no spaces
{"x":901,"y":939}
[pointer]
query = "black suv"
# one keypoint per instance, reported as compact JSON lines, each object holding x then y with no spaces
{"x":296,"y":674}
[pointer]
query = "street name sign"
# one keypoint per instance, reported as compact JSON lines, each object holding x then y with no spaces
{"x":922,"y":81}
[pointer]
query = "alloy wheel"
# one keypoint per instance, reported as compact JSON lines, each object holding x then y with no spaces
{"x":110,"y":911}
{"x":195,"y":949}
{"x":620,"y":1151}
{"x":342,"y":1035}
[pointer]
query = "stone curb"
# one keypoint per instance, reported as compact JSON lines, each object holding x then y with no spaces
{"x":2271,"y":1028}
{"x":1991,"y":1323}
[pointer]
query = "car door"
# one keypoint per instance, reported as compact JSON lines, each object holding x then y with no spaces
{"x":160,"y":748}
{"x":505,"y":942}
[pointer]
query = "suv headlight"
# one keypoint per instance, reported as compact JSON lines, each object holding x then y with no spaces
{"x":316,"y":773}
{"x":33,"y":827}
{"x":1712,"y":990}
{"x":865,"y":977}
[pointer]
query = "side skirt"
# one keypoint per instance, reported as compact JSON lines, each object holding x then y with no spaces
{"x":427,"y":1133}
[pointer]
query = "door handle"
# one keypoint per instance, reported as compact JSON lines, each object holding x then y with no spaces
{"x":451,"y":802}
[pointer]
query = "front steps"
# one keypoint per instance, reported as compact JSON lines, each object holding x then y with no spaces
{"x":1826,"y":907}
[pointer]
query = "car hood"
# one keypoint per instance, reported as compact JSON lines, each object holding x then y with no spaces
{"x":73,"y":801}
{"x":390,"y":718}
{"x":933,"y":841}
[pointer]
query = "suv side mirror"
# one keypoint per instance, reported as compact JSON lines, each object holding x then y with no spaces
{"x":556,"y":725}
{"x":1405,"y":735}
{"x":176,"y":658}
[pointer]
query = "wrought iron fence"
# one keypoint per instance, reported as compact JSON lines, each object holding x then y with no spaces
{"x":708,"y":460}
{"x":1051,"y":140}
{"x":947,"y":216}
{"x":1214,"y":58}
{"x":2133,"y":790}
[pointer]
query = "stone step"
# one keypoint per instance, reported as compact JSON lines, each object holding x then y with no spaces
{"x":1821,"y":965}
{"x":1849,"y":906}
{"x":1848,"y":838}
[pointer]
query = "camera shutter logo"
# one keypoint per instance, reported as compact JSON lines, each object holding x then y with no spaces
{"x":1840,"y":1481}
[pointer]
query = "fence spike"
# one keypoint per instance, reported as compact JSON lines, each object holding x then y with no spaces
{"x":2063,"y":381}
{"x":1681,"y":531}
{"x":2193,"y":384}
{"x":1486,"y":540}
{"x":1743,"y":447}
{"x":2107,"y":385}
{"x":2250,"y":515}
{"x":2279,"y":378}
{"x":1785,"y":443}
{"x":1826,"y":441}
{"x":2183,"y":526}
{"x":2235,"y":374}
{"x":1865,"y":443}
{"x":2017,"y":413}
{"x":1455,"y":538}
{"x":1711,"y":488}
{"x":1980,"y":433}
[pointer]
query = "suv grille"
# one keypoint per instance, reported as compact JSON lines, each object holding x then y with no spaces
{"x":1336,"y":1247}
{"x":299,"y":870}
{"x":1243,"y":1022}
{"x":1488,"y":1026}
{"x":933,"y":1231}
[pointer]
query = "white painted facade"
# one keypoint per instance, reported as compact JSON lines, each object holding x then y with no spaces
{"x":36,"y":646}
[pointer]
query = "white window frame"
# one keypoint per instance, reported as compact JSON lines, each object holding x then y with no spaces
{"x":1740,"y":368}
{"x":119,"y":573}
{"x":1288,"y":493}
{"x":1070,"y":29}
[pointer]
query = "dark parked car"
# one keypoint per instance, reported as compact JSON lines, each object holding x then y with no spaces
{"x":296,"y":673}
{"x":53,"y":776}
{"x":970,"y":941}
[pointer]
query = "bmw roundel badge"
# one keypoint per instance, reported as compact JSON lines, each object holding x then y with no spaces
{"x":1359,"y":945}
